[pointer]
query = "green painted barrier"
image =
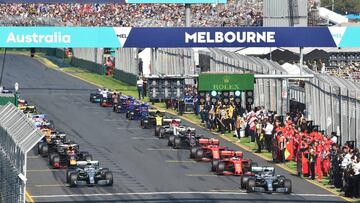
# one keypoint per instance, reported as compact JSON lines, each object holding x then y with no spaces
{"x":125,"y":77}
{"x":88,"y":65}
{"x":6,"y":98}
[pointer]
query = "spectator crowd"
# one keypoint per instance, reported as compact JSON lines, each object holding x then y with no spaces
{"x":235,"y":13}
{"x":288,"y":138}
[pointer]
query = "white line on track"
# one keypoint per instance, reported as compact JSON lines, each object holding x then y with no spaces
{"x":167,"y":193}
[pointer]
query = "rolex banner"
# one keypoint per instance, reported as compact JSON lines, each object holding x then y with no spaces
{"x":226,"y":82}
{"x":156,"y":37}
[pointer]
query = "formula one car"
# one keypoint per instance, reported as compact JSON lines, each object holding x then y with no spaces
{"x":168,"y":128}
{"x":67,"y":155}
{"x":208,"y":150}
{"x":231,"y":163}
{"x":50,"y":141}
{"x":149,"y":121}
{"x":124,"y":103}
{"x":106,"y":101}
{"x":186,"y":138}
{"x":89,"y":173}
{"x":28,"y":109}
{"x":137,"y":111}
{"x":95,"y":97}
{"x":263,"y":179}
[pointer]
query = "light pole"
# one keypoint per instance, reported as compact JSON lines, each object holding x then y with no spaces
{"x":2,"y":70}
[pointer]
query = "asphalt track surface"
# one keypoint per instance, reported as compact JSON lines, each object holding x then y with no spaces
{"x":145,"y":169}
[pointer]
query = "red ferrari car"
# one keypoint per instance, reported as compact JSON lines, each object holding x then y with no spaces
{"x":231,"y":163}
{"x":207,"y":150}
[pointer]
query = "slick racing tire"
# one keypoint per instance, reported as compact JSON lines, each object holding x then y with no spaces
{"x":220,"y":168}
{"x":68,"y":173}
{"x":55,"y":160}
{"x":288,"y":185}
{"x":44,"y":150}
{"x":199,"y":154}
{"x":214,"y":164}
{"x":51,"y":156}
{"x":177,"y":143}
{"x":161,"y":133}
{"x":157,"y":131}
{"x":243,"y":181}
{"x":171,"y":140}
{"x":109,"y":177}
{"x":193,"y":152}
{"x":39,"y":145}
{"x":250,"y":184}
{"x":73,"y":179}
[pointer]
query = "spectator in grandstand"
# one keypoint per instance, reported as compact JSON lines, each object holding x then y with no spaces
{"x":131,"y":15}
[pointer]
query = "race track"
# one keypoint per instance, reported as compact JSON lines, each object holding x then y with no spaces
{"x":145,"y":169}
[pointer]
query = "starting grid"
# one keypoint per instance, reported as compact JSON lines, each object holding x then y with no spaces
{"x":178,"y":37}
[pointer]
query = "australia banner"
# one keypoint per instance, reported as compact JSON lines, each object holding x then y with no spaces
{"x":179,"y":37}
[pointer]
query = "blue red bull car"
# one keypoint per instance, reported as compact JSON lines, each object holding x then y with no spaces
{"x":123,"y":105}
{"x":137,"y":111}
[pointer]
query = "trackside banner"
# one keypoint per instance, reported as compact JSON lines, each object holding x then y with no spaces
{"x":98,"y":37}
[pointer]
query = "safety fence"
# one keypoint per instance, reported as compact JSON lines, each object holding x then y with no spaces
{"x":18,"y":136}
{"x":334,"y":104}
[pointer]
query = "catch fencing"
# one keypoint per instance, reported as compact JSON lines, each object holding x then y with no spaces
{"x":334,"y":104}
{"x":18,"y":136}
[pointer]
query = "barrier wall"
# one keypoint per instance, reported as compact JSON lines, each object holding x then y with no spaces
{"x":126,"y":65}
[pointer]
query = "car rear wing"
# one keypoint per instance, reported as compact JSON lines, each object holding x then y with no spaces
{"x":226,"y":153}
{"x":209,"y":141}
{"x":260,"y":169}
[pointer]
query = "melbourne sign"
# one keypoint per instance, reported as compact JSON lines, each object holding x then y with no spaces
{"x":226,"y":82}
{"x":178,"y":37}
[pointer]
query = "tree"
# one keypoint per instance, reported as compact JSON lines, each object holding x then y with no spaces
{"x":343,"y":6}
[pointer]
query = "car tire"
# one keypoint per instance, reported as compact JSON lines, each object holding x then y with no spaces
{"x":44,"y":150}
{"x":214,"y":164}
{"x":55,"y":159}
{"x":171,"y":140}
{"x":109,"y":177}
{"x":220,"y":168}
{"x":161,"y":133}
{"x":288,"y":185}
{"x":250,"y":184}
{"x":73,"y":179}
{"x":68,"y":173}
{"x":177,"y":143}
{"x":39,"y":145}
{"x":192,"y":152}
{"x":51,"y":158}
{"x":243,"y":181}
{"x":199,"y":154}
{"x":157,"y":131}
